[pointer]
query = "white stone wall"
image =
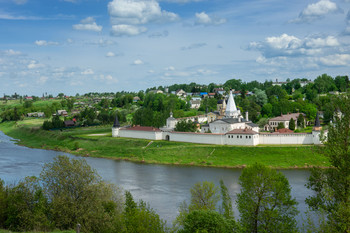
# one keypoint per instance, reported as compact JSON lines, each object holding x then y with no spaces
{"x":223,"y":127}
{"x":285,"y":139}
{"x":218,"y":139}
{"x":151,"y":135}
{"x":242,"y":139}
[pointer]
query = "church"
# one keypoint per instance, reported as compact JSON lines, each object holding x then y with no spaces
{"x":229,"y":118}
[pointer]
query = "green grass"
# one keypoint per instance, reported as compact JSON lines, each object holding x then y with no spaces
{"x":80,"y":142}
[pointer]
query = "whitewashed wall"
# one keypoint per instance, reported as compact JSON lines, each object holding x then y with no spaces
{"x":286,"y":139}
{"x":151,"y":135}
{"x":242,"y":139}
{"x":203,"y":138}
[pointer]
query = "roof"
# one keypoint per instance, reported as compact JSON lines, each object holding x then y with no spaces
{"x":143,"y":128}
{"x":284,"y":130}
{"x":252,"y":125}
{"x":211,"y":93}
{"x":232,"y":120}
{"x":116,"y":122}
{"x":242,"y":131}
{"x":69,"y":123}
{"x":286,"y":117}
{"x":317,"y":121}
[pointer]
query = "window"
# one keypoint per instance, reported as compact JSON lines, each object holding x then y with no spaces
{"x":240,"y":136}
{"x":250,"y":136}
{"x":246,"y":136}
{"x":237,"y":136}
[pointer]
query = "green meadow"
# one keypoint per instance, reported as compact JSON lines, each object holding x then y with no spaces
{"x":97,"y":141}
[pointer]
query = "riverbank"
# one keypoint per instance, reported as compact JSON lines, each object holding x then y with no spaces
{"x":97,"y":142}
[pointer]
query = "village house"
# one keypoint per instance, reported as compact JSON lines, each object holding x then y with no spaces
{"x":62,"y":113}
{"x":136,"y":99}
{"x":195,"y":104}
{"x":284,"y":119}
{"x":181,"y":93}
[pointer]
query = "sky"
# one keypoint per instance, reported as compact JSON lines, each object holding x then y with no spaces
{"x":81,"y":46}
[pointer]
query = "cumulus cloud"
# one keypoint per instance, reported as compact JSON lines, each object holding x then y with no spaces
{"x":286,"y":45}
{"x":34,"y":65}
{"x":194,"y":46}
{"x":125,"y":15}
{"x":88,"y":24}
{"x":110,"y":54}
{"x":87,"y":72}
{"x":336,"y":60}
{"x":11,"y":52}
{"x":127,"y":30}
{"x":204,"y":19}
{"x":103,"y":42}
{"x":45,"y":43}
{"x":138,"y":62}
{"x":316,"y":11}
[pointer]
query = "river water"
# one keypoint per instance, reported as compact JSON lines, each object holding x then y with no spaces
{"x":163,"y":187}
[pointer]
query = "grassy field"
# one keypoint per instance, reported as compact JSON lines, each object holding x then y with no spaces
{"x":97,"y":142}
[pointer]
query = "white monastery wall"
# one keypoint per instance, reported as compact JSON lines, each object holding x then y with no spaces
{"x":203,"y":138}
{"x":285,"y":139}
{"x":152,"y":135}
{"x":242,"y":139}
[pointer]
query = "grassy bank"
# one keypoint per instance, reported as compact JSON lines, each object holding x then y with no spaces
{"x":6,"y":231}
{"x":97,"y":142}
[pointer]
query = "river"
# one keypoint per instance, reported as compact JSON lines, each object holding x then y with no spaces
{"x":163,"y":187}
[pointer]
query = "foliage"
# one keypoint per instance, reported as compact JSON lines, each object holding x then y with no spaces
{"x":332,"y":185}
{"x":204,"y":196}
{"x":139,"y":217}
{"x":292,"y":124}
{"x":280,"y":125}
{"x":301,"y":121}
{"x":265,"y":203}
{"x":205,"y":221}
{"x":185,"y":126}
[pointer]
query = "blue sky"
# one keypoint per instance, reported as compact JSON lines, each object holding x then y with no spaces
{"x":79,"y":46}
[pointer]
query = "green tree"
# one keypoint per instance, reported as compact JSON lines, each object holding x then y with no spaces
{"x":78,"y":195}
{"x":301,"y":121}
{"x":205,"y":221}
{"x":140,"y":217}
{"x":265,"y":203}
{"x":332,"y":185}
{"x":185,"y":126}
{"x":280,"y":125}
{"x":204,"y":196}
{"x":292,"y":124}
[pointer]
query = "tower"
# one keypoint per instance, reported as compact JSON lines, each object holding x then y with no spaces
{"x":316,"y":131}
{"x":116,"y":126}
{"x":231,"y":109}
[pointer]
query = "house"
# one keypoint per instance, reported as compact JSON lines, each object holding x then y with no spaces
{"x":156,"y":91}
{"x":277,"y":83}
{"x":211,"y":95}
{"x":62,"y":113}
{"x":181,"y":93}
{"x":203,"y":94}
{"x":195,"y":104}
{"x":36,"y":114}
{"x":69,"y":123}
{"x":285,"y":119}
{"x":136,"y":99}
{"x":28,"y":98}
{"x":219,"y":91}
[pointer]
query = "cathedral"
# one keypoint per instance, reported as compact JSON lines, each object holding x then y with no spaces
{"x":227,"y":118}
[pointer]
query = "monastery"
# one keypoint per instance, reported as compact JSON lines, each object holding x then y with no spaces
{"x":226,"y":126}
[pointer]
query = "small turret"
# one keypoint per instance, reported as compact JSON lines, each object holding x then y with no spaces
{"x":116,"y":126}
{"x":317,"y":126}
{"x":116,"y":122}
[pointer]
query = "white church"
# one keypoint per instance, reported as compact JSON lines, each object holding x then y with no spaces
{"x":229,"y":128}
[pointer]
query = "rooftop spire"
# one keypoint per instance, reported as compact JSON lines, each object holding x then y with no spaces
{"x":231,"y":109}
{"x":317,"y":121}
{"x":116,"y":121}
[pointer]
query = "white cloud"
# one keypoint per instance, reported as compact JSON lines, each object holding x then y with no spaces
{"x":170,"y":68}
{"x":34,"y":65}
{"x":125,"y":14}
{"x":20,"y":2}
{"x":70,"y":41}
{"x":138,"y":62}
{"x":193,"y":46}
{"x":159,"y":34}
{"x":87,"y":72}
{"x":127,"y":30}
{"x":88,"y":24}
{"x":110,"y":54}
{"x":316,"y":11}
{"x":45,"y":43}
{"x":183,"y":1}
{"x":336,"y":60}
{"x":11,"y":52}
{"x":204,"y":19}
{"x":42,"y":80}
{"x":286,"y":45}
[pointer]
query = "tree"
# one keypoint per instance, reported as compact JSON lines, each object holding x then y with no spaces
{"x":265,"y":203}
{"x":204,"y":221}
{"x":78,"y":195}
{"x":140,"y":217}
{"x":204,"y":196}
{"x":292,"y":124}
{"x":280,"y":125}
{"x":185,"y":126}
{"x":332,"y":185}
{"x":301,"y":121}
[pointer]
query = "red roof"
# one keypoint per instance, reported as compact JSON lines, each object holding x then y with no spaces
{"x":144,"y":128}
{"x":285,"y":130}
{"x":286,"y":117}
{"x":242,"y":131}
